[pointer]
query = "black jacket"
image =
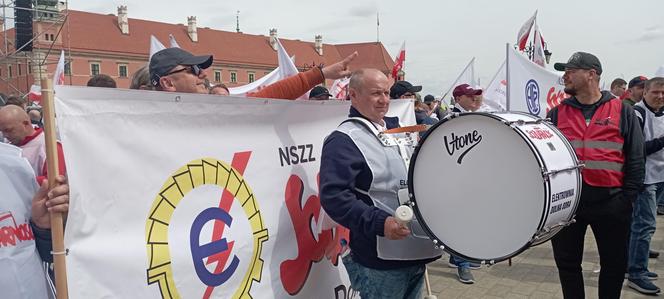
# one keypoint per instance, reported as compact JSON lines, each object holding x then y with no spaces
{"x":634,"y":166}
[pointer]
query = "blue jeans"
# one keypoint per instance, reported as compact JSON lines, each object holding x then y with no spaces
{"x":643,"y":228}
{"x":461,"y":263}
{"x":403,"y":283}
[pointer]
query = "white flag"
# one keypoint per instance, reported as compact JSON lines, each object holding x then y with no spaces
{"x":660,"y":72}
{"x":524,"y":32}
{"x":155,"y":46}
{"x":174,"y":43}
{"x":495,"y":94}
{"x":538,"y":45}
{"x":467,"y":76}
{"x":531,"y":88}
{"x":59,"y":74}
{"x":286,"y":69}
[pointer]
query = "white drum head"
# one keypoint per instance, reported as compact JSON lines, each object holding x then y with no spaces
{"x":488,"y":206}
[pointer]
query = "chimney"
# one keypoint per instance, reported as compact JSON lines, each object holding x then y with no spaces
{"x":123,"y":22}
{"x":273,"y":38}
{"x":319,"y":45}
{"x":191,"y":29}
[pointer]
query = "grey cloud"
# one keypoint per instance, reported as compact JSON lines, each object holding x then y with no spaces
{"x":650,"y":34}
{"x":363,"y":11}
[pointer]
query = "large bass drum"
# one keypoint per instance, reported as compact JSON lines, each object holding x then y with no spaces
{"x":486,"y":186}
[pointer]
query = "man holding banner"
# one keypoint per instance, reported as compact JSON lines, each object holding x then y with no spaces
{"x":25,"y":219}
{"x":606,"y":137}
{"x":360,"y":178}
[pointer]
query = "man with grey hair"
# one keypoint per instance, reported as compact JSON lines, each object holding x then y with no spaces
{"x":360,"y":178}
{"x":650,"y":112}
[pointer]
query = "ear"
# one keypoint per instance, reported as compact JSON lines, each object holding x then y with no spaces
{"x":166,"y":84}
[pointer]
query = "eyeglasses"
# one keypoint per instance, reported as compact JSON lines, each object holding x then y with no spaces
{"x":408,"y":95}
{"x":194,"y":69}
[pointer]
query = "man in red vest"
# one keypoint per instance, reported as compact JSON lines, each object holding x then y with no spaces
{"x":606,"y":137}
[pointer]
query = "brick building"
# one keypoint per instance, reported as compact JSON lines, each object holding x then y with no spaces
{"x":117,"y":45}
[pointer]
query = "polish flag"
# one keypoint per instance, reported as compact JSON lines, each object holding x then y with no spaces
{"x":538,"y":55}
{"x":399,"y":61}
{"x":59,"y":74}
{"x":524,"y":32}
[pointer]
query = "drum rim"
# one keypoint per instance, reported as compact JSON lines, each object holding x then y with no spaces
{"x":413,"y":200}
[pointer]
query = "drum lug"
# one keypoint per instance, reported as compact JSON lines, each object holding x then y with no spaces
{"x":522,"y":122}
{"x":547,"y":174}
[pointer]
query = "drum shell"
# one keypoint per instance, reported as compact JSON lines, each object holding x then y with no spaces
{"x":544,"y":150}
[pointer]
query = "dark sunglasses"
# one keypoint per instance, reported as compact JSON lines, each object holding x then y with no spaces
{"x":194,"y":69}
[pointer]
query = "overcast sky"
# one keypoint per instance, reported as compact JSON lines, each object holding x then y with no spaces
{"x":441,"y":36}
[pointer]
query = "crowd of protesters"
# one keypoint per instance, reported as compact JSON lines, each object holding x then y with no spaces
{"x":622,"y":202}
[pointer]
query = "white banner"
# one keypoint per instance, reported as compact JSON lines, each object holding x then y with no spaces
{"x":197,"y":196}
{"x":495,"y":94}
{"x":532,"y":88}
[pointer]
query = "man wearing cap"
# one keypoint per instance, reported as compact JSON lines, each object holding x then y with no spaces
{"x":635,"y":90}
{"x":466,"y":98}
{"x":607,"y":139}
{"x":650,"y":113}
{"x":174,"y":69}
{"x":360,"y":178}
{"x":404,"y":90}
{"x":319,"y":93}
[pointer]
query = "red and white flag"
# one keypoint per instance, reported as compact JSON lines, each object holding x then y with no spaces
{"x":399,"y":61}
{"x":59,"y":74}
{"x":524,"y":32}
{"x":538,"y":54}
{"x":35,"y":94}
{"x":339,"y":89}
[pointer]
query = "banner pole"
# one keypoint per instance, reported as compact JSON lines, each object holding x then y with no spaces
{"x":57,"y":228}
{"x":507,"y":76}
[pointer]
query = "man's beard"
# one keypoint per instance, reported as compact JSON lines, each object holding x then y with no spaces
{"x":570,"y":91}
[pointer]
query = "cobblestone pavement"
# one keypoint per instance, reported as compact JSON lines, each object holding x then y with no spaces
{"x":533,"y":274}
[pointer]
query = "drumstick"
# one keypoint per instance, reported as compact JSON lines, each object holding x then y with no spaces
{"x":428,"y":285}
{"x":408,"y":129}
{"x":404,"y":215}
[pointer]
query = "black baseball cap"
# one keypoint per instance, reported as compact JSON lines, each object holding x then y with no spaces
{"x":428,"y":99}
{"x":580,"y":60}
{"x":401,"y":87}
{"x":318,"y":90}
{"x":165,"y":60}
{"x":637,"y":81}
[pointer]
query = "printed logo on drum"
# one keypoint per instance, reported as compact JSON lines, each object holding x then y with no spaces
{"x":539,"y":133}
{"x":463,"y":143}
{"x":532,"y":97}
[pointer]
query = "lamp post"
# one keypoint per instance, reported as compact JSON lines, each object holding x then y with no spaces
{"x":530,"y":51}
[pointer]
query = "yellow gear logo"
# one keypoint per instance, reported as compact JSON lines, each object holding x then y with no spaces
{"x":206,"y":171}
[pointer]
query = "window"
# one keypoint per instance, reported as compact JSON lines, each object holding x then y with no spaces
{"x":252,"y":77}
{"x":94,"y":68}
{"x":20,"y":70}
{"x":233,"y":77}
{"x":46,"y":36}
{"x":68,"y":68}
{"x":52,"y":37}
{"x":217,"y":76}
{"x":29,"y":67}
{"x":9,"y":71}
{"x":122,"y":70}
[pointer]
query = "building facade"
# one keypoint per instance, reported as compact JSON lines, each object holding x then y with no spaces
{"x":117,"y":45}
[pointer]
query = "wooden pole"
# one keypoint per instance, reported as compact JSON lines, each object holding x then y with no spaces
{"x":57,"y":227}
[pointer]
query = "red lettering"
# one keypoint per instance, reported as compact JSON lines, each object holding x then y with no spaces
{"x":554,"y":98}
{"x":7,"y":236}
{"x":294,"y":273}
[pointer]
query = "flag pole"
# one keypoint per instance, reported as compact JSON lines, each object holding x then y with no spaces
{"x":57,"y":228}
{"x":459,"y":77}
{"x":507,"y":76}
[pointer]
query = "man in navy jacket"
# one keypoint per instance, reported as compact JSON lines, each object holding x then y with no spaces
{"x":360,"y":178}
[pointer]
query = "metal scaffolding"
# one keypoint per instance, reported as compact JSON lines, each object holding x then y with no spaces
{"x":54,"y":14}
